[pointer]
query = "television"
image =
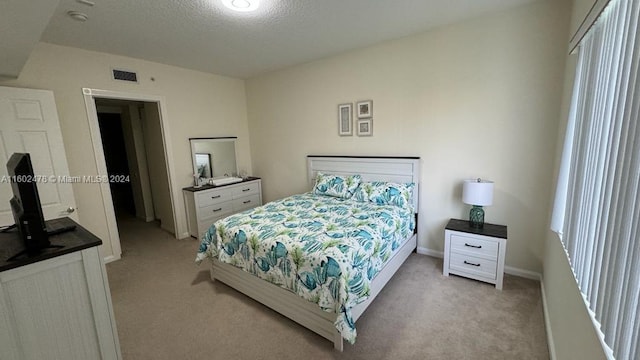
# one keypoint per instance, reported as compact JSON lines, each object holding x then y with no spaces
{"x":25,"y":204}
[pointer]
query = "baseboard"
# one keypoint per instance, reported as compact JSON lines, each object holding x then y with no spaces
{"x":527,"y":274}
{"x":523,"y":273}
{"x":547,"y":323}
{"x":110,"y":258}
{"x":426,"y":251}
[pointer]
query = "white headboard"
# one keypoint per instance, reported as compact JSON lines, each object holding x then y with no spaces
{"x":371,"y":168}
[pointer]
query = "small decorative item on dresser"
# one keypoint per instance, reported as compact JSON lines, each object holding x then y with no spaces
{"x":365,"y":127}
{"x":477,"y":193}
{"x":475,"y":253}
{"x":344,"y":120}
{"x":364,"y":109}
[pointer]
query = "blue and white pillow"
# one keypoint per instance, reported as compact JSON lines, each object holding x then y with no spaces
{"x":336,"y":185}
{"x":385,"y":193}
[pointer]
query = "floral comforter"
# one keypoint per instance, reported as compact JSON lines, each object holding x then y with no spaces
{"x":324,"y":249}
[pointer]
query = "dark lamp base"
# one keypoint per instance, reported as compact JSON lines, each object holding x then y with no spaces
{"x":476,"y":217}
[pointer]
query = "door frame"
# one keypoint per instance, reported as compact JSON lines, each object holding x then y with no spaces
{"x":92,"y":115}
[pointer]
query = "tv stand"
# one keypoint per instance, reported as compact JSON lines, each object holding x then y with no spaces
{"x":56,"y":293}
{"x":25,"y":252}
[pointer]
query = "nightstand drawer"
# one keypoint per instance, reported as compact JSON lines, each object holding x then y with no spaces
{"x":473,"y":246}
{"x":473,"y":265}
{"x":208,"y":198}
{"x":245,"y":189}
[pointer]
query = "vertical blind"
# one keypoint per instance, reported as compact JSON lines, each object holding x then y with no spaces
{"x":597,"y":205}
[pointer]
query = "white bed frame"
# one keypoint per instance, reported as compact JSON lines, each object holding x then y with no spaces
{"x":309,"y":315}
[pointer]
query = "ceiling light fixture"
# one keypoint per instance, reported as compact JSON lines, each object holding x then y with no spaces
{"x":241,"y":5}
{"x":77,"y":15}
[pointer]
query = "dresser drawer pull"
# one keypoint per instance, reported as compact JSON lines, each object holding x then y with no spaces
{"x":246,"y":202}
{"x":246,"y":190}
{"x":470,"y":263}
{"x":473,"y":246}
{"x":216,"y":210}
{"x":215,"y":197}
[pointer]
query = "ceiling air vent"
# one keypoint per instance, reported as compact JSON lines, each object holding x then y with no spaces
{"x":125,"y":75}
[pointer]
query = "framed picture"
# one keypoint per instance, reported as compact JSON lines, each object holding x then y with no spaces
{"x":365,"y":127}
{"x":203,"y":164}
{"x":364,"y":109}
{"x":344,"y":120}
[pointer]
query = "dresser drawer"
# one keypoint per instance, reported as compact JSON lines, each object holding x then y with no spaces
{"x":207,"y":198}
{"x":473,"y":246}
{"x":209,"y":204}
{"x":247,"y":202}
{"x":250,"y":188}
{"x":473,"y":265}
{"x":216,"y":210}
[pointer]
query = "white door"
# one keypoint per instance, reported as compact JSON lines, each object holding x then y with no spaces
{"x":29,"y":123}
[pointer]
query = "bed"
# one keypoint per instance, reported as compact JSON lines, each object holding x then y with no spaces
{"x":321,"y":260}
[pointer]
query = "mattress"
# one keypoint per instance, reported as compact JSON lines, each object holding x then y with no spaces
{"x":325,"y":249}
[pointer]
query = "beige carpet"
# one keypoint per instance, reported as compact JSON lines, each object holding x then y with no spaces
{"x":166,"y":307}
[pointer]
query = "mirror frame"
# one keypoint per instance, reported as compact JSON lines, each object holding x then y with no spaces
{"x":231,"y":139}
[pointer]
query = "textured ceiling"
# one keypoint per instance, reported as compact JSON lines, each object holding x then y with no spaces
{"x":204,"y":35}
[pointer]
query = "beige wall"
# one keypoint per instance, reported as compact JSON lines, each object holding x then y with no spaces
{"x":579,"y":12}
{"x":197,"y":105}
{"x":157,"y":166}
{"x":475,"y":99}
{"x":573,"y":332}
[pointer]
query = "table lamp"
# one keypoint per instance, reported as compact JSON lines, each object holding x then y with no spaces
{"x":477,"y":193}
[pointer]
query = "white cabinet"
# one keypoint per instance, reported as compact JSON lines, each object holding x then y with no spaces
{"x":475,"y":253}
{"x":208,"y":204}
{"x":57,"y":305}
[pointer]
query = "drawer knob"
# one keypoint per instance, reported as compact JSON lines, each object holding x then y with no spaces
{"x":246,"y":202}
{"x":216,"y":210}
{"x":246,"y":189}
{"x":470,"y":263}
{"x":473,"y":246}
{"x":215,"y":197}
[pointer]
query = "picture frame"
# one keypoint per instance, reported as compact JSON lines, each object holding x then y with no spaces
{"x":345,"y":113}
{"x":203,"y":164}
{"x":365,"y":127}
{"x":364,"y":109}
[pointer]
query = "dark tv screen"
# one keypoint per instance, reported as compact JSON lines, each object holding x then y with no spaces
{"x":25,"y":203}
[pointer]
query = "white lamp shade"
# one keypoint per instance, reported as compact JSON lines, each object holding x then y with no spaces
{"x":476,"y":192}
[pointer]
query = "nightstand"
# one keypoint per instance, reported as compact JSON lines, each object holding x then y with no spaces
{"x":475,"y":253}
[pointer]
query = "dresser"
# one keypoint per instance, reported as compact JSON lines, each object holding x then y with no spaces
{"x":475,"y":253}
{"x":56,"y":304}
{"x":208,"y":203}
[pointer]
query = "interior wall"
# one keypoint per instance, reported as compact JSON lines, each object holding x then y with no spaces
{"x":197,"y":104}
{"x":157,"y":166}
{"x":473,"y":99}
{"x":132,"y":160}
{"x":579,"y":12}
{"x":140,"y":169}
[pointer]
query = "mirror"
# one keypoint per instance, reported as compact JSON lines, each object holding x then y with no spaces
{"x":214,"y":157}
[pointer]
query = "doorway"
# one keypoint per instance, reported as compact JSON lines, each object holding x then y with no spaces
{"x":115,"y":128}
{"x":118,"y":167}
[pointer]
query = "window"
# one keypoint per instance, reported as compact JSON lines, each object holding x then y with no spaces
{"x":597,"y":205}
